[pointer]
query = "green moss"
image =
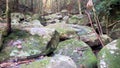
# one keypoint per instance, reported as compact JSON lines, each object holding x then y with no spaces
{"x":4,"y":55}
{"x":78,"y":20}
{"x":37,"y":64}
{"x":17,"y":34}
{"x":31,"y":44}
{"x":90,"y":60}
{"x":61,"y":27}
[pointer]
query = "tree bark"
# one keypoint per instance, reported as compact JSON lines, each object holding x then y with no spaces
{"x":8,"y":17}
{"x":32,"y":5}
{"x":16,"y":2}
{"x":79,"y":6}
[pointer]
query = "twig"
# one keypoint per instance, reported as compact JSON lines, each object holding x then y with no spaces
{"x":94,"y":29}
{"x":113,"y":24}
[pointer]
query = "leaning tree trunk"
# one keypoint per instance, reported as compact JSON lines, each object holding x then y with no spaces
{"x":8,"y":17}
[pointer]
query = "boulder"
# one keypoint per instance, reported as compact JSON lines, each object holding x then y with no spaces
{"x":109,"y":56}
{"x":58,"y":61}
{"x":65,"y":30}
{"x":79,"y":51}
{"x":21,"y":44}
{"x":84,"y":33}
{"x":78,"y":19}
{"x":53,"y":18}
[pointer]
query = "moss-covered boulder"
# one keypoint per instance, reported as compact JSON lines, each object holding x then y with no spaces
{"x":21,"y":44}
{"x":65,"y":30}
{"x":57,"y":61}
{"x":109,"y":56}
{"x":78,"y":19}
{"x":79,"y":51}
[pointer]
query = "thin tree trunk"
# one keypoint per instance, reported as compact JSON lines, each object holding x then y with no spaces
{"x":16,"y":2}
{"x":8,"y":17}
{"x":32,"y":5}
{"x":79,"y":6}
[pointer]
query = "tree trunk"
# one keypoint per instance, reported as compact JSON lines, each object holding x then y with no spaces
{"x":32,"y":5}
{"x":8,"y":17}
{"x":79,"y":6}
{"x":16,"y":2}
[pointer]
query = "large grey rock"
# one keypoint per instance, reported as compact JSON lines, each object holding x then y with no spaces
{"x":21,"y":44}
{"x":57,"y":61}
{"x":79,"y":51}
{"x":109,"y":56}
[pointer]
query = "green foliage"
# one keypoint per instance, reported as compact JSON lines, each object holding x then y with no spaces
{"x":104,"y":6}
